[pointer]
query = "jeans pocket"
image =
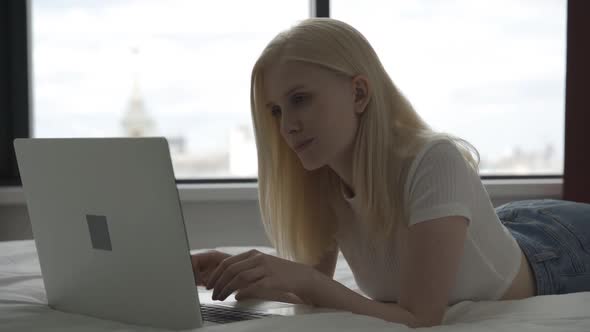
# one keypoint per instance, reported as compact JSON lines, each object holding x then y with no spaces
{"x":554,"y":241}
{"x":545,"y":255}
{"x":575,"y":232}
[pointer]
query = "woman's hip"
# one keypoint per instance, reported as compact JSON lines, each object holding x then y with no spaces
{"x":555,"y":237}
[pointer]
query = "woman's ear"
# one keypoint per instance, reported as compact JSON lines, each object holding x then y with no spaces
{"x":360,"y":86}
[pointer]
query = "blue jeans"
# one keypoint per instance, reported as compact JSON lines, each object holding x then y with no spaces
{"x":555,"y":238}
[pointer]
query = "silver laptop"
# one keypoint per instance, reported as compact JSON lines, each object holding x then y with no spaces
{"x":110,"y":235}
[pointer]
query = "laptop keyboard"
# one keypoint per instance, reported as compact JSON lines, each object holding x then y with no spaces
{"x":220,"y":314}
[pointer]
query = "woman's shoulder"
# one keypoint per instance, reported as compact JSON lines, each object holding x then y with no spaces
{"x":435,"y":147}
{"x":432,"y":159}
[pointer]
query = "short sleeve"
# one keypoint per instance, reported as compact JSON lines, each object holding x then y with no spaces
{"x":440,"y":184}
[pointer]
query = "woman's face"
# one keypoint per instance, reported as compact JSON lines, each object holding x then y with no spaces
{"x":317,"y":110}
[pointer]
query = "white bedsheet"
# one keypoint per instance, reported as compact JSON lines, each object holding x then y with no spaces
{"x":23,"y":307}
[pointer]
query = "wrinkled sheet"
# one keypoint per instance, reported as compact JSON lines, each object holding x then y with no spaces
{"x":23,"y":307}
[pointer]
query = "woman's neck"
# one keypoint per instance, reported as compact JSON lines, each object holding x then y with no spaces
{"x":343,"y":168}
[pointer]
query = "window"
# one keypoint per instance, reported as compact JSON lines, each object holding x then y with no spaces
{"x":491,"y":72}
{"x":479,"y":69}
{"x":179,"y":69}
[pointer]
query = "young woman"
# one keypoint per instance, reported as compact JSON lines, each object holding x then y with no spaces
{"x":346,"y":164}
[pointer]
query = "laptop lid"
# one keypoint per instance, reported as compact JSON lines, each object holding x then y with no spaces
{"x":109,"y":230}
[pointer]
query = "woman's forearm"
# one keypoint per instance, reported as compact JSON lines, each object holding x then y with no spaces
{"x":322,"y":291}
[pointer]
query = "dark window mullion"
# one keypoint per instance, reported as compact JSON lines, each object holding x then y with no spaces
{"x":319,"y":8}
{"x":576,"y":177}
{"x":14,"y":94}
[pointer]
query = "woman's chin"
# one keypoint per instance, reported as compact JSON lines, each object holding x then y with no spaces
{"x":311,"y":165}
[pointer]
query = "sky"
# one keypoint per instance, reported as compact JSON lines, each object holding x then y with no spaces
{"x":489,"y":71}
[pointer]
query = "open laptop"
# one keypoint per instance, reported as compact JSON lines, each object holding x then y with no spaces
{"x":110,"y":234}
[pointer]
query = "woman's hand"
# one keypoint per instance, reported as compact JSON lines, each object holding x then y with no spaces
{"x":205,"y":263}
{"x":253,"y":272}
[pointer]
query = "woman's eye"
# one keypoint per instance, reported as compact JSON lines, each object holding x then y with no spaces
{"x":275,"y":111}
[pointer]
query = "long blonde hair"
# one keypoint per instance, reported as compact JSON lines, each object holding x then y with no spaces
{"x":295,"y":210}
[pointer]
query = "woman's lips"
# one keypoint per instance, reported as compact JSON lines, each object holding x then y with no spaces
{"x":304,"y":145}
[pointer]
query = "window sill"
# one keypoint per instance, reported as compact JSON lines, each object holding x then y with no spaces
{"x":513,"y":189}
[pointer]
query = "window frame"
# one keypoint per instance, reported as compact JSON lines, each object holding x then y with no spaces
{"x":16,"y":97}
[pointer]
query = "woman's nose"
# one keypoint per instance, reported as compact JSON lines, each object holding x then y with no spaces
{"x":290,"y":124}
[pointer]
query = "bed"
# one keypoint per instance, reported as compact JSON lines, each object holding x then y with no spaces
{"x":23,"y":307}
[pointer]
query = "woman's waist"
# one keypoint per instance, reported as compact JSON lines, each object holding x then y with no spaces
{"x":523,"y":285}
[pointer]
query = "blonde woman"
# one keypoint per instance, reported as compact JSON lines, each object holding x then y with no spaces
{"x":346,"y":164}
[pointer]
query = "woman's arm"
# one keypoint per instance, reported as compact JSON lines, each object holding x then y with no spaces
{"x":327,"y":293}
{"x":430,"y":266}
{"x":327,"y":264}
{"x":428,"y":272}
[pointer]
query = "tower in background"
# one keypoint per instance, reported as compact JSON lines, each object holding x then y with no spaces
{"x":136,"y":120}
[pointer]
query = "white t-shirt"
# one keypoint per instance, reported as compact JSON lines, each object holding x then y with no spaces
{"x":440,"y":183}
